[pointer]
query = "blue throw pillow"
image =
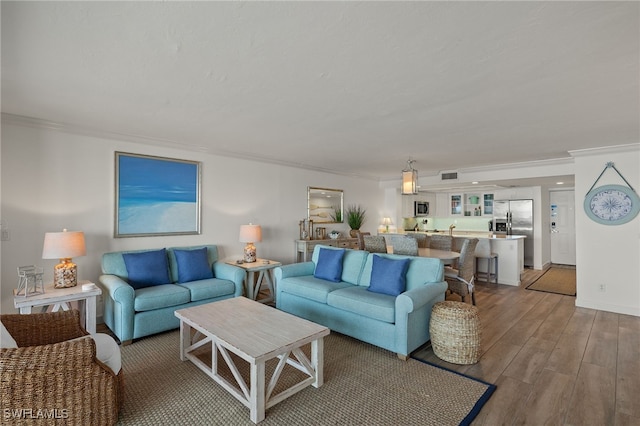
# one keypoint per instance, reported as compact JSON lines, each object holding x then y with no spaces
{"x":193,"y":265}
{"x":388,"y":276}
{"x":329,"y":265}
{"x":147,"y":268}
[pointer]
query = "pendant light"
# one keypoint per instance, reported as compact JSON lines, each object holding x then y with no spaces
{"x":409,"y":179}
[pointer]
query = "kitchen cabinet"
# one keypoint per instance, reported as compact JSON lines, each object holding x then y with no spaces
{"x":487,"y":204}
{"x":407,"y":205}
{"x":455,"y":204}
{"x":472,"y":206}
{"x":478,"y":204}
{"x":518,"y":193}
{"x":442,"y":204}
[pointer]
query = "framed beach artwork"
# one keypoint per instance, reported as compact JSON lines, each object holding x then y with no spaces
{"x":156,"y":196}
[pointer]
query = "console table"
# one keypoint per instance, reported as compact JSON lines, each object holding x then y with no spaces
{"x":304,"y":248}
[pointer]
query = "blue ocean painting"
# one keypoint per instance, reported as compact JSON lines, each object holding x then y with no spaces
{"x":157,"y":196}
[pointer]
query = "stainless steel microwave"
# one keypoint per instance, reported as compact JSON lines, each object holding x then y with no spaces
{"x":420,"y":208}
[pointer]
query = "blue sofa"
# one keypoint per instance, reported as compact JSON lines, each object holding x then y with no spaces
{"x":397,"y":323}
{"x":132,"y":313}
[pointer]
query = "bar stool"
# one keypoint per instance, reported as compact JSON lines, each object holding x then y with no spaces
{"x":492,"y":264}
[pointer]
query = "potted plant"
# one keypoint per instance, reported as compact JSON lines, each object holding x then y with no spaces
{"x":337,"y":214}
{"x":355,"y":219}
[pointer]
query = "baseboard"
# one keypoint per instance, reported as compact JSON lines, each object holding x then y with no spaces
{"x":599,"y":305}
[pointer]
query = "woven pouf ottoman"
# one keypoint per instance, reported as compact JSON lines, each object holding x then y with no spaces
{"x":455,"y":332}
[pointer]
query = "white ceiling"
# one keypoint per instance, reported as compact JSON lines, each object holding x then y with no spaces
{"x":348,"y":87}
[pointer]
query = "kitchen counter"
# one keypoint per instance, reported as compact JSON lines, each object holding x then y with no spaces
{"x":473,"y":234}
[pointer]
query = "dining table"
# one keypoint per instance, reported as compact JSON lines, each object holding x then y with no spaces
{"x":447,"y":257}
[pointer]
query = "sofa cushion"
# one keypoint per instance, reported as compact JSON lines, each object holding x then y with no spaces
{"x":309,"y":287}
{"x":6,"y":339}
{"x":421,"y":270}
{"x":212,"y":255}
{"x":207,"y":289}
{"x":193,"y":265}
{"x":388,"y":276}
{"x":358,"y":300}
{"x":352,"y":263}
{"x":160,"y":296}
{"x":329,"y":266}
{"x":147,"y":268}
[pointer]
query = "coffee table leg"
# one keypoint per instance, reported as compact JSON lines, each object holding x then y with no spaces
{"x":185,"y":339}
{"x":317,"y":361}
{"x":256,"y":393}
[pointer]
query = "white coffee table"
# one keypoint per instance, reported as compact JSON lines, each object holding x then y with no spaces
{"x":256,"y":333}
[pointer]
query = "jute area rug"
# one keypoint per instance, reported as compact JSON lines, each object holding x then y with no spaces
{"x":363,"y":385}
{"x":557,"y":279}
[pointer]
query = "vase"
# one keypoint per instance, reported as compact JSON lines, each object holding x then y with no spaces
{"x":354,"y":233}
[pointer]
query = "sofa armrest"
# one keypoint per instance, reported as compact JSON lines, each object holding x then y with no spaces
{"x":414,"y":299}
{"x":121,"y":296}
{"x":118,"y":289}
{"x":294,"y":270}
{"x":225,"y":271}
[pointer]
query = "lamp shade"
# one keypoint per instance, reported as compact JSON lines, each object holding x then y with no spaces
{"x":386,"y":221}
{"x":250,"y":233}
{"x":60,"y":245}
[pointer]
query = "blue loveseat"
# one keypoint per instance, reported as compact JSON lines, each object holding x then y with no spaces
{"x":134,"y":309}
{"x":397,"y":323}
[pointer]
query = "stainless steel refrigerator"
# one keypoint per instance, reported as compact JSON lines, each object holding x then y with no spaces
{"x":515,"y":217}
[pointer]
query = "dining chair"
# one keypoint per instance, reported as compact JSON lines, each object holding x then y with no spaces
{"x":374,"y":243}
{"x":361,"y":239}
{"x":423,"y":239}
{"x":461,"y":280}
{"x":456,"y":243}
{"x":441,"y":242}
{"x":405,"y":245}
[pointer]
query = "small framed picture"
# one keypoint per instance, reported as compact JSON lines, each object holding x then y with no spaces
{"x":156,"y":196}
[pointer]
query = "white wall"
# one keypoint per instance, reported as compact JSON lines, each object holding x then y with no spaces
{"x":608,"y":255}
{"x":52,"y":180}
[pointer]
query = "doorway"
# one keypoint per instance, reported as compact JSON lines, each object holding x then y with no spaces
{"x":563,"y":227}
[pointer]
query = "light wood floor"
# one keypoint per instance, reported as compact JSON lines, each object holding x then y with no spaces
{"x":553,"y":363}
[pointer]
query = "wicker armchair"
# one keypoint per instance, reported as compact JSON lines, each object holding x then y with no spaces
{"x":55,"y":370}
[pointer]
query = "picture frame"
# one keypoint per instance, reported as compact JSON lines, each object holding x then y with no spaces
{"x":156,"y":196}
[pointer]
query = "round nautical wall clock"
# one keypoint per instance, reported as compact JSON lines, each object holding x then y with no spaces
{"x":612,"y":204}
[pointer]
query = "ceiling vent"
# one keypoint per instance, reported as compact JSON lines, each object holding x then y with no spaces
{"x":449,"y":176}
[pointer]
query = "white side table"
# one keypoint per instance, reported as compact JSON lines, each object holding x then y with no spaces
{"x":60,"y":298}
{"x":264,"y":268}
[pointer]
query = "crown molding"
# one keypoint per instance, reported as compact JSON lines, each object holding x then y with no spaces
{"x":166,"y":143}
{"x":615,"y":149}
{"x":535,"y":163}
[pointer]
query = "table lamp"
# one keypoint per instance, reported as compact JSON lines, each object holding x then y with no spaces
{"x":250,"y":234}
{"x":386,"y":222}
{"x":64,"y":245}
